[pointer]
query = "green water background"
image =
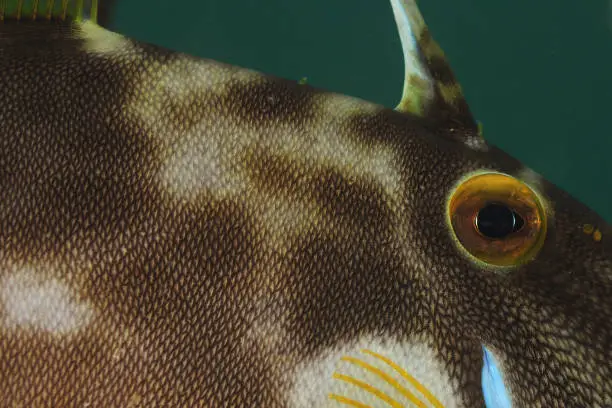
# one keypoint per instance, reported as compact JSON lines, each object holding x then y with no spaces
{"x":536,"y":74}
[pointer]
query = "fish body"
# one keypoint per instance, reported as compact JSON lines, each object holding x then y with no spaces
{"x":180,"y":232}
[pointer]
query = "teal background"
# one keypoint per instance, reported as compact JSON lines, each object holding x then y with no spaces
{"x":537,"y":74}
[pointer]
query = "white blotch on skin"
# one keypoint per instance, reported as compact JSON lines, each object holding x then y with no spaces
{"x":359,"y":160}
{"x":314,"y":380}
{"x":33,"y":301}
{"x":477,"y":143}
{"x":197,"y":158}
{"x":192,"y":167}
{"x":181,"y":82}
{"x":530,"y":177}
{"x":98,"y":40}
{"x":199,"y":163}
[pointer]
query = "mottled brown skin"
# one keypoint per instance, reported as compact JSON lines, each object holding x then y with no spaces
{"x":183,"y":283}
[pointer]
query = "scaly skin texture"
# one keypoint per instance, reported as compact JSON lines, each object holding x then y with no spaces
{"x":187,"y":233}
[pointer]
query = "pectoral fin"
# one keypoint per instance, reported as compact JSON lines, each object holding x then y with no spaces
{"x":493,"y":388}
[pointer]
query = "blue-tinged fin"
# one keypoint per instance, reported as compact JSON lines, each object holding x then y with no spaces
{"x":493,"y":388}
{"x":48,"y":10}
{"x":430,"y":88}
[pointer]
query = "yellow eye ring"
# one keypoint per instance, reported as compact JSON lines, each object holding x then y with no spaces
{"x":497,"y":219}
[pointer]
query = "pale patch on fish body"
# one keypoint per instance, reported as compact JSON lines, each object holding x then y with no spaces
{"x":98,"y":41}
{"x":352,"y":370}
{"x":34,"y":300}
{"x":198,"y":164}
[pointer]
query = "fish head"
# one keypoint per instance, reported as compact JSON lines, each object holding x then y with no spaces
{"x":513,"y":261}
{"x":519,"y":265}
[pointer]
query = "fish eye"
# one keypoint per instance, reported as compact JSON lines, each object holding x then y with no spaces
{"x":497,"y":219}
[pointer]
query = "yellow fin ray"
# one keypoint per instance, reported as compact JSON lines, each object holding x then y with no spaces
{"x":48,"y":10}
{"x":413,"y":381}
{"x":412,"y":393}
{"x":388,"y":379}
{"x":369,"y":388}
{"x":348,"y":401}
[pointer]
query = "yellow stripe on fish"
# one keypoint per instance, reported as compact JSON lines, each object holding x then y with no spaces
{"x":407,"y":391}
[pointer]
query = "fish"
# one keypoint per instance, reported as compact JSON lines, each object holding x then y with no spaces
{"x":180,"y":232}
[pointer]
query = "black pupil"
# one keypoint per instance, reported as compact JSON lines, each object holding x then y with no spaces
{"x":497,"y":221}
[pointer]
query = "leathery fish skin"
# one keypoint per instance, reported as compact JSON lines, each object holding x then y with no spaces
{"x":179,"y":232}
